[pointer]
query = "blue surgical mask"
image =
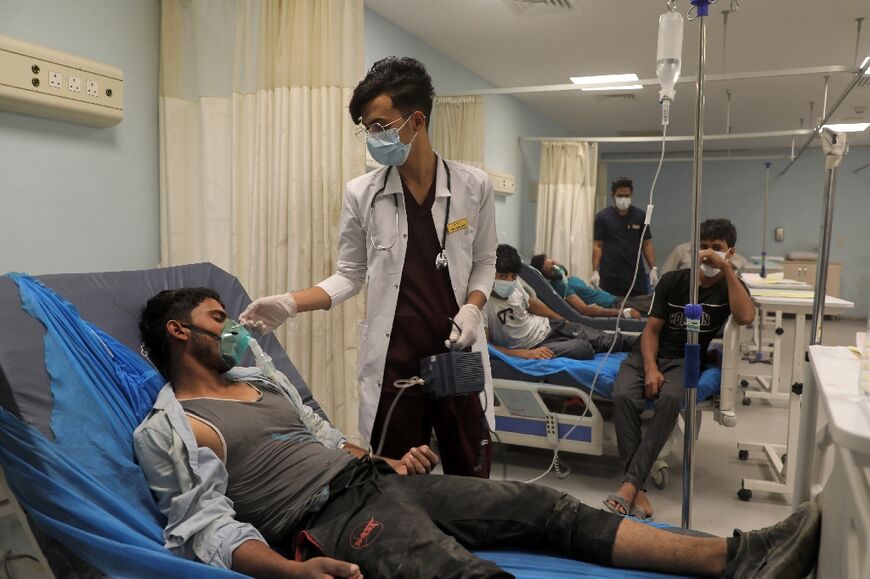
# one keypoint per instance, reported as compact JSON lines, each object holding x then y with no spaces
{"x":234,"y":341}
{"x":387,"y":148}
{"x":504,"y":288}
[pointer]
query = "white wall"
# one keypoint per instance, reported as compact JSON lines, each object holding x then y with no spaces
{"x":734,"y":189}
{"x":506,"y":119}
{"x":75,"y":198}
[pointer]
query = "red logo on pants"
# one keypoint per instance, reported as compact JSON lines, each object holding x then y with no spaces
{"x":366,"y":533}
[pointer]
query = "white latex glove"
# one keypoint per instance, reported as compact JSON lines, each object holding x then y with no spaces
{"x":654,"y":277}
{"x":595,"y":280}
{"x":468,"y":318}
{"x":266,"y":314}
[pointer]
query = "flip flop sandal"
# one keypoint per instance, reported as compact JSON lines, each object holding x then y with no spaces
{"x":620,"y":501}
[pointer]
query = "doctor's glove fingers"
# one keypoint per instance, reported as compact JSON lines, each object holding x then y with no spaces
{"x":271,"y":311}
{"x":326,"y":568}
{"x":653,"y":277}
{"x":595,"y":279}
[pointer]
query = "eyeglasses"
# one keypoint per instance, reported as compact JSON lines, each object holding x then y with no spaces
{"x":378,"y":128}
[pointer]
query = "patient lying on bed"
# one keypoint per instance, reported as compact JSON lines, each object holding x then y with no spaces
{"x":235,"y":459}
{"x":587,"y":300}
{"x":523,"y":326}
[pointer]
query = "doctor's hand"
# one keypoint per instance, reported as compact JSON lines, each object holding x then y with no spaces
{"x":463,"y":332}
{"x":266,"y":314}
{"x":595,"y":279}
{"x":653,"y":277}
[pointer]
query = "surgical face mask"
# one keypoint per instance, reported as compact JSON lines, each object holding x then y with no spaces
{"x":387,"y":148}
{"x":712,"y":271}
{"x":234,"y":341}
{"x":622,"y":203}
{"x":504,"y":288}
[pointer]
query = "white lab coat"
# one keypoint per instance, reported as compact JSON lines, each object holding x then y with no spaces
{"x":470,"y":255}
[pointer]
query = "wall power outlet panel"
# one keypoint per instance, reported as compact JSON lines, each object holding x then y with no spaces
{"x":39,"y":81}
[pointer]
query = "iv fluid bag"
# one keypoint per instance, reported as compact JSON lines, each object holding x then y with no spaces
{"x":669,"y":52}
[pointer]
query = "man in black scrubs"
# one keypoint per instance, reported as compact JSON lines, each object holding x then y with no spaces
{"x":615,"y":242}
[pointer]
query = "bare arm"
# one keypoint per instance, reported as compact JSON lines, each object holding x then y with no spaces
{"x":597,"y":250}
{"x":649,"y":253}
{"x":543,"y":353}
{"x":476,"y":298}
{"x":590,"y":310}
{"x":739,"y":299}
{"x":256,"y":559}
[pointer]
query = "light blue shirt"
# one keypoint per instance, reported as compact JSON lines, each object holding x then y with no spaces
{"x":190,"y":482}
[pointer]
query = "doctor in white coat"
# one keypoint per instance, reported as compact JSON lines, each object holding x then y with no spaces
{"x":421,"y":232}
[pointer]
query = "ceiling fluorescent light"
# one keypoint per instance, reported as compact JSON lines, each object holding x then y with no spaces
{"x":614,"y":87}
{"x":863,"y":64}
{"x":848,"y":127}
{"x":604,"y":79}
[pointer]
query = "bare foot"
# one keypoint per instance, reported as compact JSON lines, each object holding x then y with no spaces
{"x":641,"y":501}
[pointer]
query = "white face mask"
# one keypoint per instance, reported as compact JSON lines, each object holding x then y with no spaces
{"x":622,"y":203}
{"x":504,"y":288}
{"x":713,"y":271}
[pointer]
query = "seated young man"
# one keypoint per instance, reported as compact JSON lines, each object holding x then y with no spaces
{"x":584,"y":298}
{"x":523,"y":326}
{"x":235,"y":459}
{"x":656,"y":371}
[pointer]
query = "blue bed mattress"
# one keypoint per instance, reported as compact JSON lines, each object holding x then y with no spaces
{"x":535,"y":566}
{"x":568,"y":372}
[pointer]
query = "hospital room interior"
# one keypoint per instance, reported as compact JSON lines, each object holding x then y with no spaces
{"x":605,"y":253}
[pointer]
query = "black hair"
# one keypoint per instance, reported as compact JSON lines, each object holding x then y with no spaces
{"x":713,"y":229}
{"x":168,"y":305}
{"x":507,"y":260}
{"x":538,"y":262}
{"x":404,"y":79}
{"x":620,"y":183}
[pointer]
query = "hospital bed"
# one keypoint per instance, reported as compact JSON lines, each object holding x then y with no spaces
{"x":539,"y":402}
{"x":112,"y":302}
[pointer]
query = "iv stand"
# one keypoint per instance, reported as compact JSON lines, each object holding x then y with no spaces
{"x":835,"y":146}
{"x":693,"y":313}
{"x":764,"y":220}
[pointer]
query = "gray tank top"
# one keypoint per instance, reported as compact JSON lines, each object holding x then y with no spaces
{"x":276,"y":466}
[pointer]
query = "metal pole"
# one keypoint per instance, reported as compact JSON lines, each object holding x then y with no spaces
{"x":835,"y":151}
{"x":692,"y":338}
{"x":728,"y":118}
{"x":825,"y":100}
{"x":859,"y":75}
{"x":860,"y":22}
{"x":764,"y":220}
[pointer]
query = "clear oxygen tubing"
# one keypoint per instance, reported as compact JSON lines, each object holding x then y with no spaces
{"x":835,"y":150}
{"x":668,"y":65}
{"x":692,"y":345}
{"x":554,"y":463}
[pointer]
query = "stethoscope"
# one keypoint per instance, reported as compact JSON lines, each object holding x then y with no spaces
{"x":441,"y":258}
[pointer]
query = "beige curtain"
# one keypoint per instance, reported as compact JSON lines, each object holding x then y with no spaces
{"x":457,"y":129}
{"x":255,"y":148}
{"x":566,"y":204}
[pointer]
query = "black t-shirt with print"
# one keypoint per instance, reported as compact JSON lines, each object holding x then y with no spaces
{"x":671,"y":296}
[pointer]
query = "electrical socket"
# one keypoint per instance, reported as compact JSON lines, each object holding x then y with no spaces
{"x":55,"y":79}
{"x":93,"y":88}
{"x":75,"y":84}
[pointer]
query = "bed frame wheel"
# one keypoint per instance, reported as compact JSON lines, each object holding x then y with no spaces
{"x":743,"y":454}
{"x":747,"y":401}
{"x":744,"y":494}
{"x":660,"y":477}
{"x":744,"y":383}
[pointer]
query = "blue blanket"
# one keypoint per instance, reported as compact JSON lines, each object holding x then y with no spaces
{"x":84,"y":488}
{"x":583,"y":371}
